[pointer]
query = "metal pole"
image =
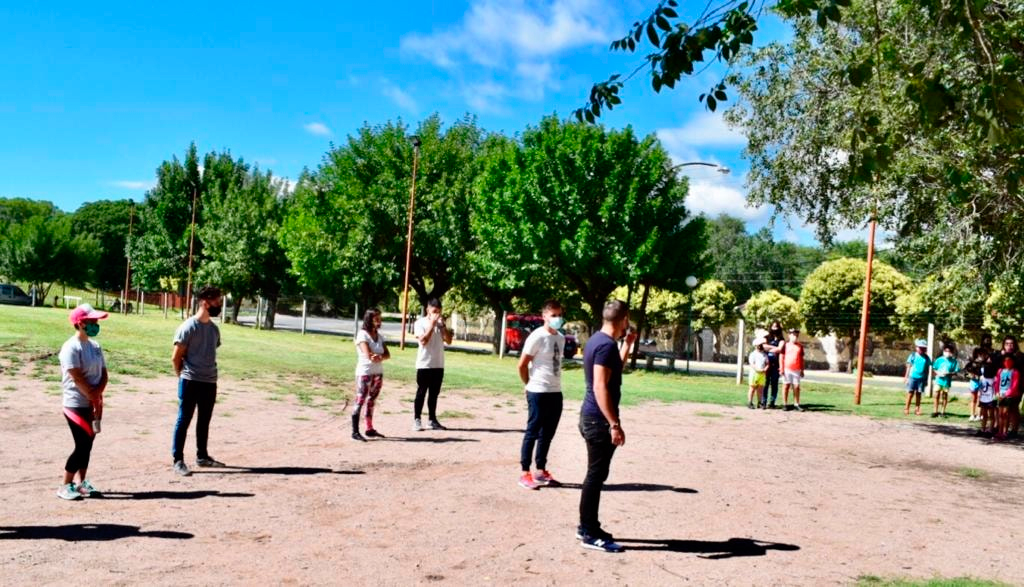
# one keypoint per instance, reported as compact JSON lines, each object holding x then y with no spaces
{"x":931,"y":353}
{"x":689,"y":315}
{"x":865,"y":310}
{"x":355,"y":322}
{"x":142,"y":302}
{"x":408,"y":238}
{"x":303,"y":315}
{"x":191,"y":244}
{"x":501,"y":345}
{"x":128,"y":256}
{"x":739,"y":352}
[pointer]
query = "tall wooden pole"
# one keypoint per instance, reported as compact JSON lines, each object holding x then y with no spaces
{"x":408,"y":237}
{"x":191,"y":244}
{"x":128,"y":254}
{"x":864,"y":315}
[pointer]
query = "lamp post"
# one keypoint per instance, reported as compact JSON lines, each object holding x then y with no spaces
{"x":719,"y":168}
{"x":691,"y":282}
{"x":415,"y":140}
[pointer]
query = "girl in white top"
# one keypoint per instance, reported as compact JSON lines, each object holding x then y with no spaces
{"x":371,"y":352}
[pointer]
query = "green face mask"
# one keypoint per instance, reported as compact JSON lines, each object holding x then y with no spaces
{"x":91,"y":329}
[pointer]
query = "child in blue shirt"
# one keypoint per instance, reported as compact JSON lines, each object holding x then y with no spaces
{"x":917,"y":370}
{"x":945,"y":367}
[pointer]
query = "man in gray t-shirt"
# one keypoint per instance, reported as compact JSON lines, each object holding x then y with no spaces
{"x":195,"y":364}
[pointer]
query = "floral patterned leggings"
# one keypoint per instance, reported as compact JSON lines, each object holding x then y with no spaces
{"x":367,"y":390}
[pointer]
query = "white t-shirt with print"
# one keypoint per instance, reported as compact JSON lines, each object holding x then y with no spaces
{"x":546,"y":366}
{"x":364,"y":366}
{"x":87,"y":356}
{"x":430,"y":355}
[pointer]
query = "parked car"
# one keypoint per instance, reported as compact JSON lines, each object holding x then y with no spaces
{"x":519,"y":326}
{"x":12,"y":294}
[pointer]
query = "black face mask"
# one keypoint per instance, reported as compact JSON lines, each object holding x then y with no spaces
{"x":214,"y":311}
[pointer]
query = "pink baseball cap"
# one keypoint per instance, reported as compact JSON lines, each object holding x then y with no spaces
{"x":85,"y":312}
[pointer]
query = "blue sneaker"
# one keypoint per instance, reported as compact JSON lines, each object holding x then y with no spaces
{"x":601,"y":544}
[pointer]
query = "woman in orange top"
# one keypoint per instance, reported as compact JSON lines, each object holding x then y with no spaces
{"x":792,"y":368}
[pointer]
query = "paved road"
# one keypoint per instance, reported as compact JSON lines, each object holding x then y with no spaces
{"x":392,"y":331}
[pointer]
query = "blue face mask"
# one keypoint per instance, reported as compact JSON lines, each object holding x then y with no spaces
{"x":556,"y":322}
{"x":91,"y":329}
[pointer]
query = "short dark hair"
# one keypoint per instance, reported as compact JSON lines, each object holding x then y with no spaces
{"x":368,"y":317}
{"x":551,"y":305}
{"x":948,"y":347}
{"x":614,"y":311}
{"x":434,"y":303}
{"x":208,"y":292}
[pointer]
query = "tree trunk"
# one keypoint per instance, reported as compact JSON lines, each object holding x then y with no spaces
{"x":236,"y":305}
{"x":640,"y":325}
{"x":269,"y":312}
{"x":853,"y":352}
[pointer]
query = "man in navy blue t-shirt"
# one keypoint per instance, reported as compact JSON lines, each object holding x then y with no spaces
{"x":599,"y":417}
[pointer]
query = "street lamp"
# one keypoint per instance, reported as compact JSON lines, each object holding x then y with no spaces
{"x":691,"y":282}
{"x":415,"y":140}
{"x":719,"y":168}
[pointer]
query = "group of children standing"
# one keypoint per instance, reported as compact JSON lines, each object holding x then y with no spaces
{"x":995,"y":384}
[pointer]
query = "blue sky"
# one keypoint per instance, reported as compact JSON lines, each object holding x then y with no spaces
{"x":94,"y":97}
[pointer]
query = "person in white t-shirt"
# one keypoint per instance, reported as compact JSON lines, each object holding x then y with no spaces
{"x":540,"y":368}
{"x":84,"y":378}
{"x":371,"y":352}
{"x":432,"y":335}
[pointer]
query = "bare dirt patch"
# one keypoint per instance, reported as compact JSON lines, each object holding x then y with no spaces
{"x":749,"y":498}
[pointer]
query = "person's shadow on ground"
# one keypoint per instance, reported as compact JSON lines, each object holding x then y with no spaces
{"x":233,"y":470}
{"x":709,"y":549}
{"x":631,"y":487}
{"x":85,"y":532}
{"x":143,"y":495}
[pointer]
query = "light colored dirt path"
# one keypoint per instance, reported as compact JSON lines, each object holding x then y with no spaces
{"x":741,"y":498}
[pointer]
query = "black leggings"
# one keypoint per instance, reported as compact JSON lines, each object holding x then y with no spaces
{"x":428,"y":386}
{"x":79,"y":460}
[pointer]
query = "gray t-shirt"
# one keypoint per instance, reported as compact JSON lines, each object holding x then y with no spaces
{"x":201,"y":342}
{"x":87,"y":356}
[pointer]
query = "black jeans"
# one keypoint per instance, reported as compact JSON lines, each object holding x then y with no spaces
{"x":545,"y":411}
{"x":771,"y":384}
{"x":428,"y":386}
{"x":600,"y":450}
{"x":84,"y":437}
{"x":192,"y":395}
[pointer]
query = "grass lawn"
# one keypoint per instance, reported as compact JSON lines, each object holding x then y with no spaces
{"x":316,"y":365}
{"x":872,"y":581}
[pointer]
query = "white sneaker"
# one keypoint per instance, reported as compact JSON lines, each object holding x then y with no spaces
{"x":67,"y":491}
{"x":417,"y":425}
{"x":87,"y":489}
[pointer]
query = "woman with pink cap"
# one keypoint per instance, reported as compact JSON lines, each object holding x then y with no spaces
{"x":84,"y":377}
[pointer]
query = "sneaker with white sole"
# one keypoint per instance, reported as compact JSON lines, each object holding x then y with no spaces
{"x":600,"y":544}
{"x":182,"y":469}
{"x":67,"y":491}
{"x":210,"y":462}
{"x":87,"y":489}
{"x":417,"y":425}
{"x":526,"y":481}
{"x":435,"y":425}
{"x":544,"y":479}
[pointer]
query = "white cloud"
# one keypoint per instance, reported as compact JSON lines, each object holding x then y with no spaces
{"x":400,"y":97}
{"x":705,"y":129}
{"x":520,"y":38}
{"x":134,"y":185}
{"x":492,"y":30}
{"x":714,"y":198}
{"x":317,"y":128}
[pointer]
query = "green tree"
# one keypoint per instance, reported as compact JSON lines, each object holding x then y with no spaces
{"x":833,"y":296}
{"x":43,"y":250}
{"x":767,"y":306}
{"x":910,"y":112}
{"x":160,"y":256}
{"x":241,"y":243}
{"x":107,"y":221}
{"x":601,"y":208}
{"x":346,"y":235}
{"x":714,"y":306}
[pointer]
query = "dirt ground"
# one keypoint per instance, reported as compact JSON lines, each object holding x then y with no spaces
{"x":699,"y":495}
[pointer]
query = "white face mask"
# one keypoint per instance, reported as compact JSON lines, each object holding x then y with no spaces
{"x":556,"y":322}
{"x":792,"y":338}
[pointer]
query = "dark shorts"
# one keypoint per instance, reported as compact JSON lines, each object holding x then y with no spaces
{"x":915,"y":385}
{"x":1009,"y":402}
{"x":988,"y":405}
